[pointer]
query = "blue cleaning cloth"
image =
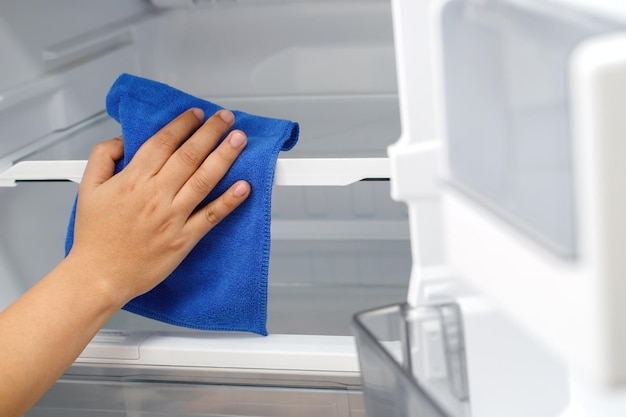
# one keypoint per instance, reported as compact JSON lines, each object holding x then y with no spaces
{"x":222,"y":284}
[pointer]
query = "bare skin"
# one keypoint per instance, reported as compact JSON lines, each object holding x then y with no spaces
{"x":132,"y":230}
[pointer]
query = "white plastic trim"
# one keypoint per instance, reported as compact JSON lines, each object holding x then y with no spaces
{"x":334,"y":171}
{"x":218,"y":350}
{"x":44,"y":171}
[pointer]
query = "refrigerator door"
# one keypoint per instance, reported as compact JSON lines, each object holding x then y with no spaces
{"x":530,"y":98}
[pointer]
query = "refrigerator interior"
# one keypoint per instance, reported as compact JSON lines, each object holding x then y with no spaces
{"x":329,"y":66}
{"x":335,"y":250}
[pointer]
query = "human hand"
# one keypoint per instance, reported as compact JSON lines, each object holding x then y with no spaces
{"x":132,"y":229}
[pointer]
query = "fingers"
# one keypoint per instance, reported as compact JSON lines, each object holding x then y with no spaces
{"x":210,"y":215}
{"x":186,"y":160}
{"x":210,"y":172}
{"x":156,"y":151}
{"x":187,"y":172}
{"x":101,"y":163}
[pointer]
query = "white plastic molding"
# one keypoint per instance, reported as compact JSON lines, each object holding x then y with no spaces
{"x":308,"y":172}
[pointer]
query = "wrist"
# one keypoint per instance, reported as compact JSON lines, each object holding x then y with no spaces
{"x":93,"y":283}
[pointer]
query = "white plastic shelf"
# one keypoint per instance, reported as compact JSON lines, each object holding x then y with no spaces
{"x":291,"y":172}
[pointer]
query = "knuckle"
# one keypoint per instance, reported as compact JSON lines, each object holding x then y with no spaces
{"x":100,"y":148}
{"x":218,"y":209}
{"x":190,"y":154}
{"x":152,"y":205}
{"x":165,"y":140}
{"x":178,"y":244}
{"x":225,"y":156}
{"x":222,"y":158}
{"x":131,"y":182}
{"x":201,"y":184}
{"x":212,"y":214}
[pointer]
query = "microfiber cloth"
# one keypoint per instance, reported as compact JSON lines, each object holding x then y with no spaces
{"x":222,"y":284}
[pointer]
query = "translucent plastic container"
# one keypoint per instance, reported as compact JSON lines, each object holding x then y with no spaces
{"x":412,"y":361}
{"x":192,"y":397}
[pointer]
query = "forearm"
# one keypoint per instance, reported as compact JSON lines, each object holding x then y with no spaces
{"x":46,"y":329}
{"x":132,"y":229}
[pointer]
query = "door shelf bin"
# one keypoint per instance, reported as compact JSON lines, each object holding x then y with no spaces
{"x":412,"y":361}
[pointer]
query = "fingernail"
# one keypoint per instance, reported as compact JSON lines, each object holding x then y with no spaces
{"x":237,"y":139}
{"x":240,"y":189}
{"x":199,"y":113}
{"x":227,"y":116}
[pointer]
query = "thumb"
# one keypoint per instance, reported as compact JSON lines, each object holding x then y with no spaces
{"x":101,"y":163}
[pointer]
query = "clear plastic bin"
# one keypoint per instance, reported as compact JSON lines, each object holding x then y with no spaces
{"x":181,"y":396}
{"x":413,"y":361}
